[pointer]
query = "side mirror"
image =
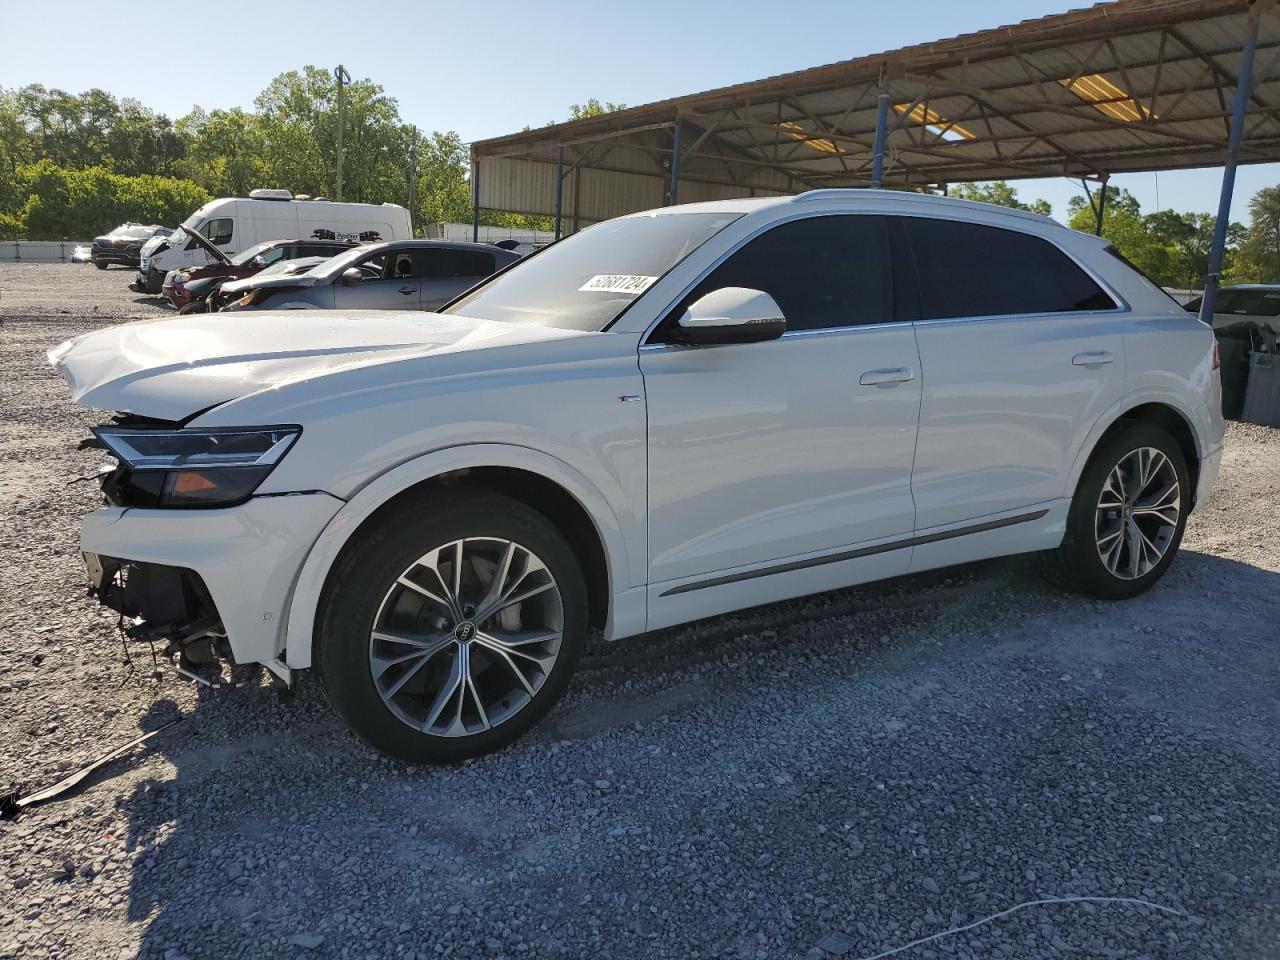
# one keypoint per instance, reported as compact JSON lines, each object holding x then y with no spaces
{"x":259,"y":262}
{"x":352,"y":275}
{"x":732,"y":315}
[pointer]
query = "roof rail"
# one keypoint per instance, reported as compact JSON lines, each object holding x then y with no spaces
{"x":844,"y":193}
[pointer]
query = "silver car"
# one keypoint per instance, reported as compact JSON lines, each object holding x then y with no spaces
{"x":399,"y":275}
{"x":1246,"y":301}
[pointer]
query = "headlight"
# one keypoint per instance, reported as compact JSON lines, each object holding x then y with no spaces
{"x":216,"y":467}
{"x":251,"y":298}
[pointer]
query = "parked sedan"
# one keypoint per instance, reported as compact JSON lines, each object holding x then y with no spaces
{"x":206,"y":293}
{"x":247,"y":263}
{"x":400,"y":275}
{"x":123,"y":245}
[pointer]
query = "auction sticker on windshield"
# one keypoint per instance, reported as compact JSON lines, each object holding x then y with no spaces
{"x":618,"y":283}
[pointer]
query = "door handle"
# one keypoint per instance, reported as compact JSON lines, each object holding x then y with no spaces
{"x":876,"y":378}
{"x":1093,"y":358}
{"x":408,"y":290}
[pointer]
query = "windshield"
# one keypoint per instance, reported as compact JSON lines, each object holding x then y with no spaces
{"x":335,"y":265}
{"x":194,"y":221}
{"x":244,"y":256}
{"x":301,"y":265}
{"x":585,"y":281}
{"x":131,"y":232}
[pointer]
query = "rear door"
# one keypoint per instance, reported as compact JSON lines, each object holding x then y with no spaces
{"x":1022,"y":352}
{"x":396,"y":285}
{"x":448,"y":272}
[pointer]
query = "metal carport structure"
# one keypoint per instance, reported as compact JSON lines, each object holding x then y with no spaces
{"x":1135,"y":85}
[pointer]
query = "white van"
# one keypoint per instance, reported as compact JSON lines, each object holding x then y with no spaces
{"x":235,"y":223}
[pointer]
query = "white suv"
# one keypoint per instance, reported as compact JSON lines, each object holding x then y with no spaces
{"x":664,"y":417}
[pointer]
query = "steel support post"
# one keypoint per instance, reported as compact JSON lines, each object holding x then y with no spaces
{"x":1244,"y":84}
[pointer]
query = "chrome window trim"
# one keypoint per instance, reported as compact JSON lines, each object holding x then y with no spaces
{"x":852,"y":329}
{"x":1121,"y":304}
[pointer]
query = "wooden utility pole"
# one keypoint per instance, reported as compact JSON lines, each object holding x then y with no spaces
{"x":343,"y":78}
{"x":413,"y":182}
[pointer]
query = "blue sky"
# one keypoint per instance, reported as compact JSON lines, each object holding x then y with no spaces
{"x":489,"y":69}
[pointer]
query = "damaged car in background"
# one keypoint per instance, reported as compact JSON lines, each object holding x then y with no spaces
{"x":207,"y":295}
{"x":191,"y":285}
{"x":660,"y":418}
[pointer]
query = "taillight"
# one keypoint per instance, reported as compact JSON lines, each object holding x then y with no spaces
{"x":1217,"y":354}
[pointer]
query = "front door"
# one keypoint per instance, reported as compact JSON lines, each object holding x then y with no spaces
{"x":393,"y":281}
{"x":771,"y":464}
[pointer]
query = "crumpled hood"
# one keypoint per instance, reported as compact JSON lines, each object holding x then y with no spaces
{"x":170,"y":369}
{"x":150,"y":246}
{"x":275,"y":280}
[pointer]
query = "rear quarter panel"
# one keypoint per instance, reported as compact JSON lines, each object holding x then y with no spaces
{"x":1168,"y":354}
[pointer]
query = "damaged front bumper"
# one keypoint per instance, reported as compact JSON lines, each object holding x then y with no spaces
{"x":228,"y":571}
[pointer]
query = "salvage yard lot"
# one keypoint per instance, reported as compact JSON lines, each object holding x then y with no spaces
{"x":835,"y":776}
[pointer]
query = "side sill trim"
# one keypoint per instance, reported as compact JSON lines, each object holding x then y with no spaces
{"x":853,"y":554}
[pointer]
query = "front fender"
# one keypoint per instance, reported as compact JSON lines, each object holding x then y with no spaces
{"x":626,"y":606}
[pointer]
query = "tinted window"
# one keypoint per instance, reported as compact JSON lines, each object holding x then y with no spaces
{"x":457,"y":263}
{"x":971,"y":270}
{"x":823,"y":272}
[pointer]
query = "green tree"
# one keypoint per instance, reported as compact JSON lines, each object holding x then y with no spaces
{"x":1124,"y":226}
{"x":999,"y":193}
{"x":1259,"y":254}
{"x":84,"y":130}
{"x":593,"y":108}
{"x":224,"y":151}
{"x":1170,"y":247}
{"x":76,"y":204}
{"x":444,"y":195}
{"x":298,"y":116}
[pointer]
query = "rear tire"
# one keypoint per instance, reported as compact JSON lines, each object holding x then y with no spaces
{"x":1127,"y":516}
{"x":419,"y":651}
{"x":195,"y":306}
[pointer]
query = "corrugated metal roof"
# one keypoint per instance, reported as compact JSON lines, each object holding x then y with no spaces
{"x":1015,"y":89}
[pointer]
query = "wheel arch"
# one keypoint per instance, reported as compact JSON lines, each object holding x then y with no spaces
{"x":1160,"y":411}
{"x":543,"y":482}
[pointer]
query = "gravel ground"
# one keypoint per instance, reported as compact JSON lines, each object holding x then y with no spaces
{"x":829,"y":777}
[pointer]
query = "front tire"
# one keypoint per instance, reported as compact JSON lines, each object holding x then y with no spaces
{"x":1127,"y":516}
{"x":194,"y":306}
{"x":450,"y":626}
{"x":100,"y":265}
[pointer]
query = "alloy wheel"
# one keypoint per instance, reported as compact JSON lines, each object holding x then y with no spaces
{"x":466,"y":636}
{"x":1137,"y":514}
